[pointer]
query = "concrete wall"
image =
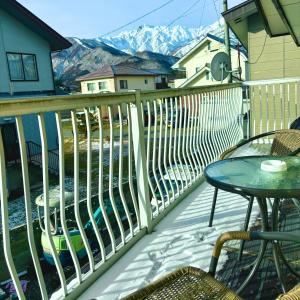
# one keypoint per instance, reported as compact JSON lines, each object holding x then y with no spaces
{"x":204,"y":56}
{"x":16,"y":37}
{"x":272,"y":58}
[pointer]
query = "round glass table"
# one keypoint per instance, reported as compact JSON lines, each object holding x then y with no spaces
{"x":244,"y":176}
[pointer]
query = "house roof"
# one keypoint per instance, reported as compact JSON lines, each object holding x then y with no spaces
{"x":208,"y":37}
{"x":116,"y":70}
{"x":281,"y":17}
{"x":195,"y":76}
{"x":14,"y":8}
{"x":236,"y":18}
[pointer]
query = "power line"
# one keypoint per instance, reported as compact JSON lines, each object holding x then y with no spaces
{"x":184,"y":13}
{"x":176,"y":19}
{"x":261,"y":52}
{"x":217,"y":13}
{"x":139,"y":18}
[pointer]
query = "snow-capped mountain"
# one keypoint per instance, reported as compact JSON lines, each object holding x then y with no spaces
{"x":148,"y":47}
{"x":161,"y":39}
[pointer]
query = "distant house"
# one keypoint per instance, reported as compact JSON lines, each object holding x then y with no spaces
{"x":196,"y":62}
{"x":118,"y":78}
{"x":26,"y":44}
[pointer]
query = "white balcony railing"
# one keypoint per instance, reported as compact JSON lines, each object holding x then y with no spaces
{"x":134,"y":156}
{"x":274,"y":104}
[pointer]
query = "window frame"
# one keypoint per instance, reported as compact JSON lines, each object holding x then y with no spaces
{"x":91,"y":83}
{"x":124,"y":88}
{"x":23,"y":68}
{"x":102,"y":82}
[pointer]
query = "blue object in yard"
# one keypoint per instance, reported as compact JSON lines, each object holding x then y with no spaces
{"x":61,"y":247}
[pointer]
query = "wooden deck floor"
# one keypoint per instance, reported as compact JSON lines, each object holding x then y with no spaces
{"x":265,"y":284}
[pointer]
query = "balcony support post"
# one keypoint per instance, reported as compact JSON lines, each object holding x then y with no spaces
{"x":138,"y":138}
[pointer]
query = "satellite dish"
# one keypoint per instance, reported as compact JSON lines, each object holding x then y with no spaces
{"x":220,"y":66}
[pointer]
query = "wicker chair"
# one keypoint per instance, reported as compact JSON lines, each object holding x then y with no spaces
{"x":189,"y":283}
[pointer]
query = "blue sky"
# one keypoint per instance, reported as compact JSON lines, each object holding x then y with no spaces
{"x":93,"y":18}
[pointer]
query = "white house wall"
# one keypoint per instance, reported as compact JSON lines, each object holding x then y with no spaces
{"x":137,"y":82}
{"x":16,"y":37}
{"x":204,"y":56}
{"x":113,"y":84}
{"x":110,"y":83}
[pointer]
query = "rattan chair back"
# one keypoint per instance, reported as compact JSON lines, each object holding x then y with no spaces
{"x":187,"y":283}
{"x":285,"y":142}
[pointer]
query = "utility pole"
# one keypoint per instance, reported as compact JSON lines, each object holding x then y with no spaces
{"x":227,"y":41}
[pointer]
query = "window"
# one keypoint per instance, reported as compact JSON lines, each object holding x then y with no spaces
{"x":102,"y":85}
{"x":91,"y":87}
{"x":123,"y":85}
{"x":22,"y":67}
{"x":208,"y":46}
{"x":146,"y":81}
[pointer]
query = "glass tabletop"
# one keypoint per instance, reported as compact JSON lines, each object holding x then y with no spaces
{"x":243,"y":175}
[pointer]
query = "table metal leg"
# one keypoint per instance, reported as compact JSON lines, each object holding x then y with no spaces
{"x":278,"y":251}
{"x":246,"y":224}
{"x":264,"y":220}
{"x":213,"y":207}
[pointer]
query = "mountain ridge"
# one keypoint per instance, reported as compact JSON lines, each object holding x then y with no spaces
{"x":147,"y":47}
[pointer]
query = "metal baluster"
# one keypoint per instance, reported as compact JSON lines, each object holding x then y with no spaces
{"x":62,"y":196}
{"x":154,"y":157}
{"x":154,"y":198}
{"x":204,"y":150}
{"x":184,"y":141}
{"x":100,"y":183}
{"x":111,"y":175}
{"x":76,"y":192}
{"x":200,"y":134}
{"x":160,"y":152}
{"x":176,"y":147}
{"x":121,"y":192}
{"x":89,"y":184}
{"x":177,"y":177}
{"x":183,"y":167}
{"x":130,"y":173}
{"x":57,"y":262}
{"x":5,"y":225}
{"x":188,"y":140}
{"x":193,"y":140}
{"x":28,"y":208}
{"x":166,"y":149}
{"x":171,"y":147}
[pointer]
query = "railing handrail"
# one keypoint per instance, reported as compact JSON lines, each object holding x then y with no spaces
{"x":156,"y":94}
{"x":25,"y":106}
{"x":272,"y":81}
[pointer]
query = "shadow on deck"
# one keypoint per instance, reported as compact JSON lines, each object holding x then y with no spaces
{"x":265,"y":284}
